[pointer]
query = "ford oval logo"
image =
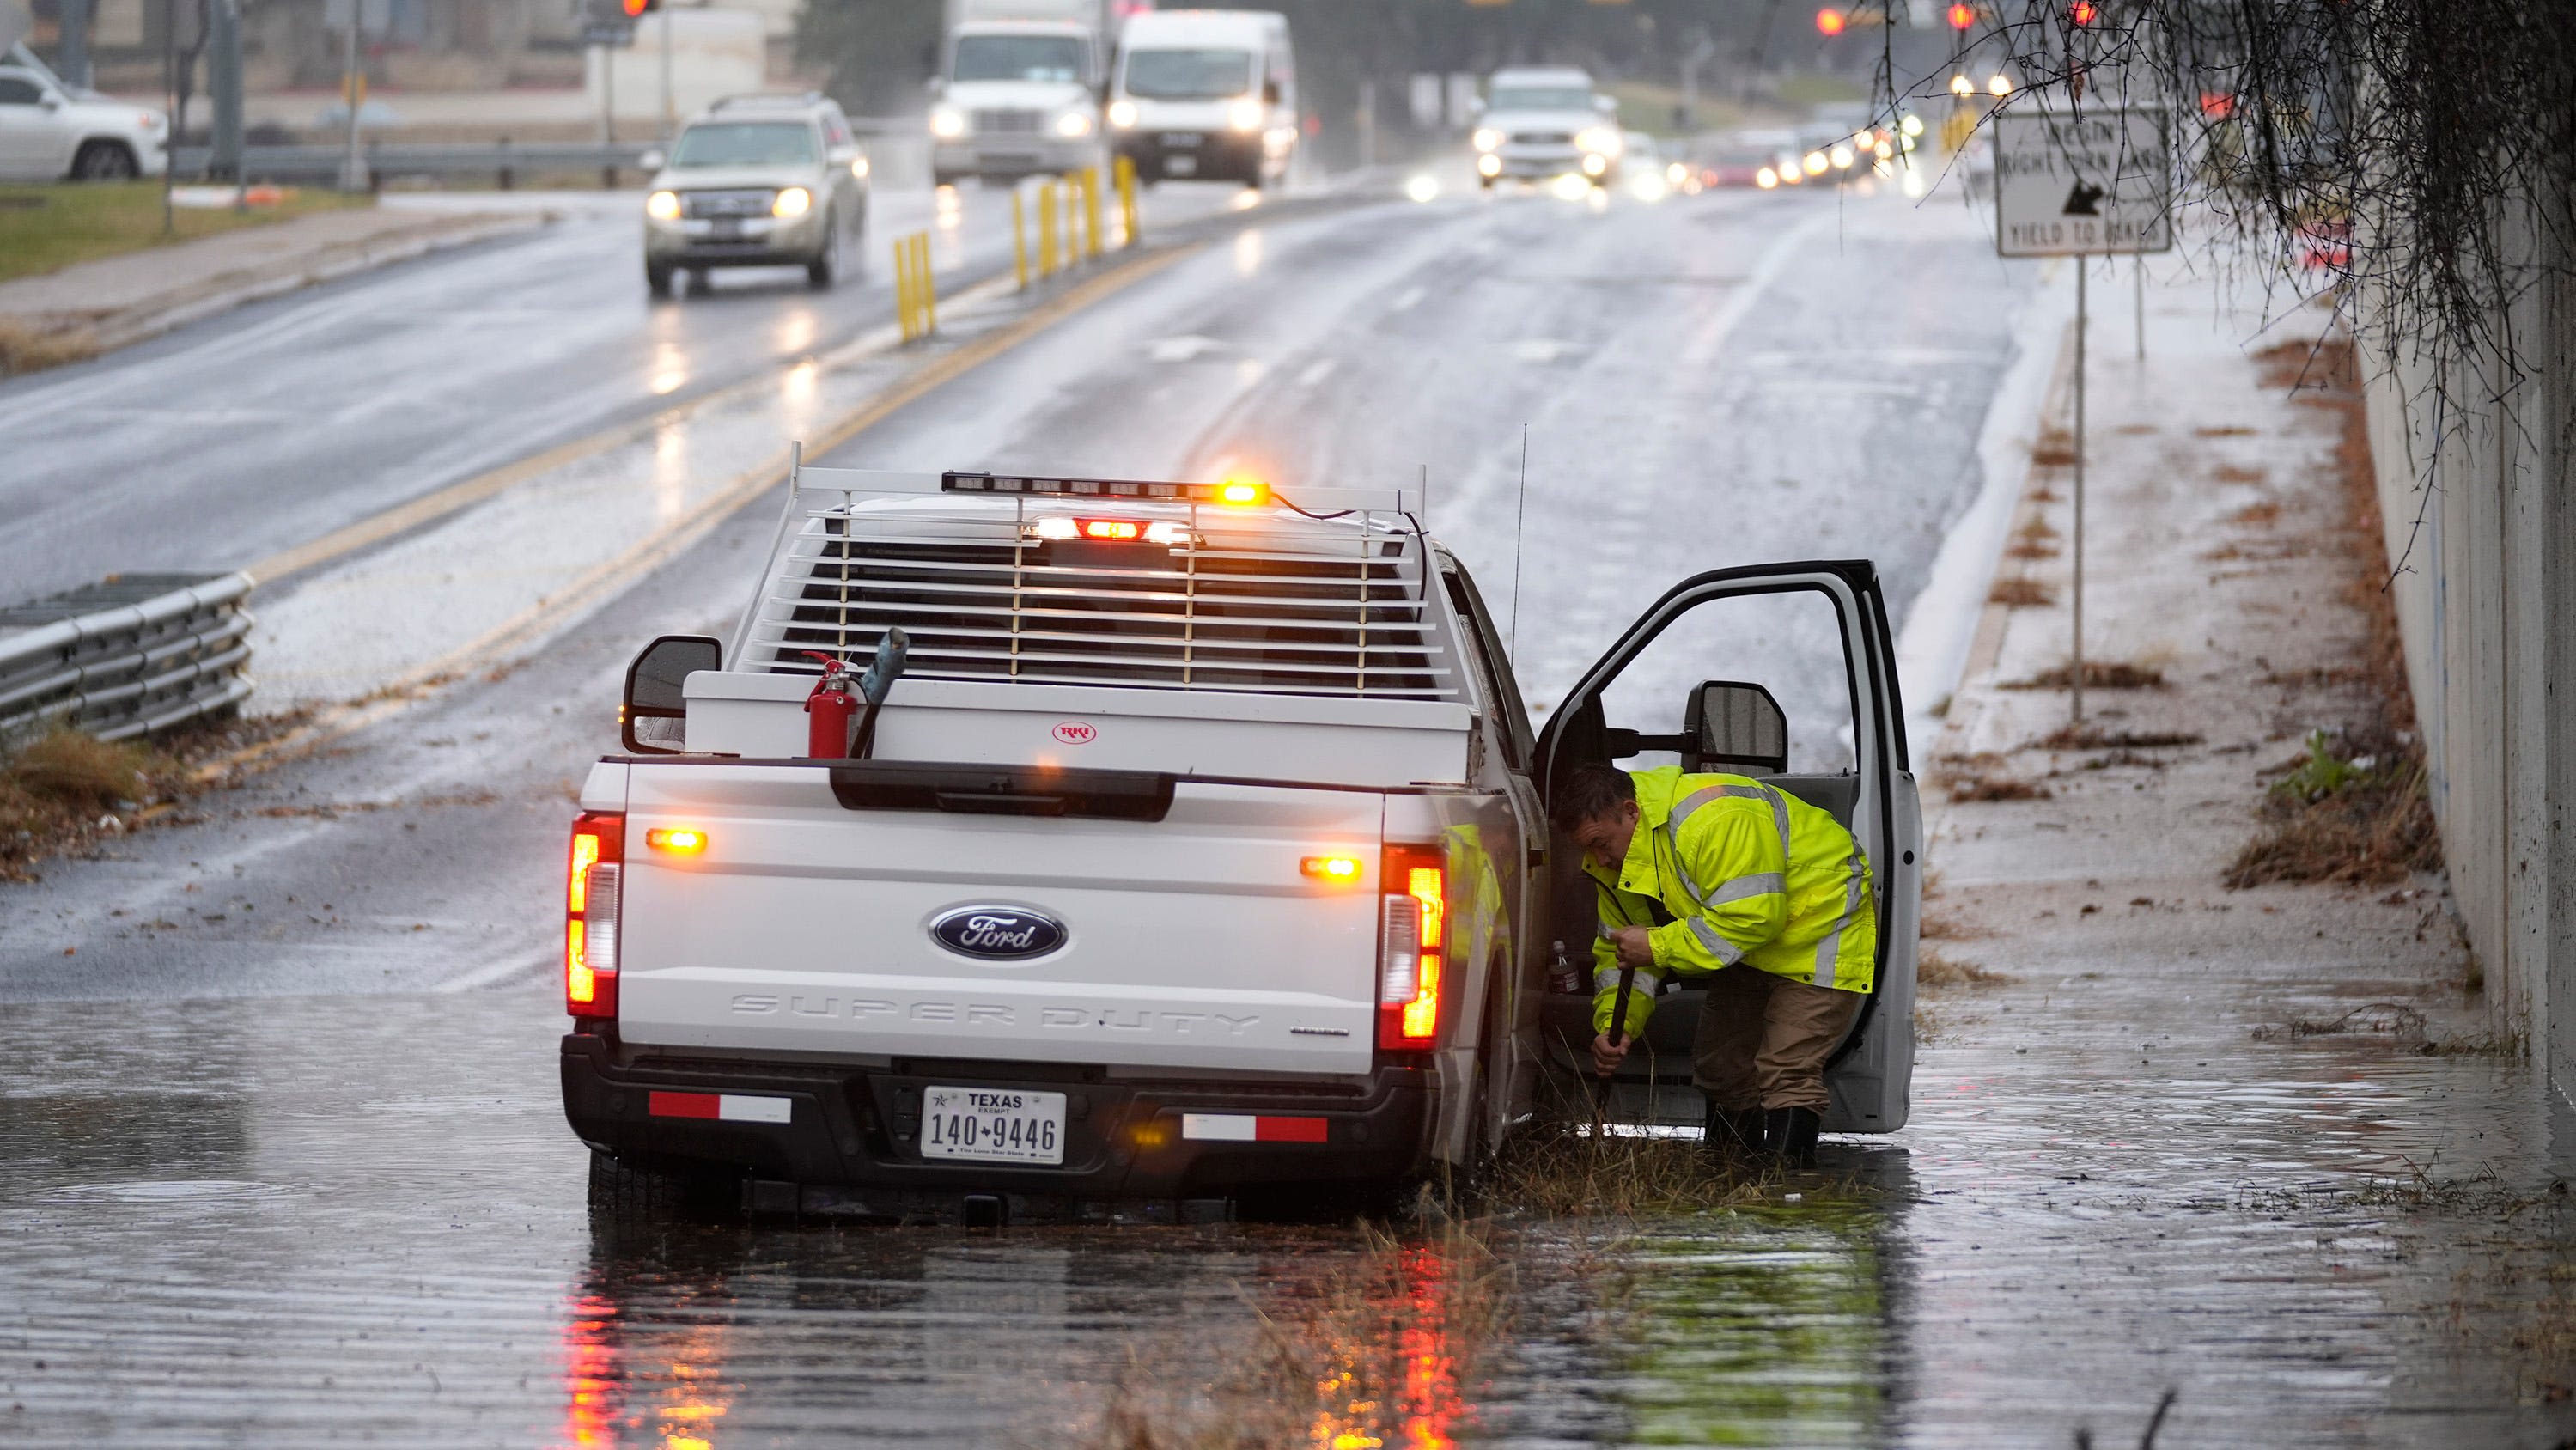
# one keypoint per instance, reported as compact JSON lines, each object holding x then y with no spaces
{"x":998,"y":933}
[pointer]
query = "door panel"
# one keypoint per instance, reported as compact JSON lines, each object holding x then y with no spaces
{"x":1821,"y":630}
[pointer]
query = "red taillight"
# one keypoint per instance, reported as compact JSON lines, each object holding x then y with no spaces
{"x":1113,"y":530}
{"x":591,"y":873}
{"x":1413,"y":917}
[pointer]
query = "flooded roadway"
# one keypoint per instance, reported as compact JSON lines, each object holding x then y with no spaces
{"x":313,"y":1220}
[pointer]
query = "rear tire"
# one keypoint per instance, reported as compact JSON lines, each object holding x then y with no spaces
{"x":104,"y":161}
{"x":637,"y":1198}
{"x":827,"y":263}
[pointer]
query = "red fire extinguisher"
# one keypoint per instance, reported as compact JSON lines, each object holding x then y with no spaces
{"x":828,"y":710}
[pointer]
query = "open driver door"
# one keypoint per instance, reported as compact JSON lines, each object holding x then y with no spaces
{"x":1785,"y":673}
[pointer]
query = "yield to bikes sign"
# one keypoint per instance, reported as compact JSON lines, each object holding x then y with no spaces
{"x":2086,"y":185}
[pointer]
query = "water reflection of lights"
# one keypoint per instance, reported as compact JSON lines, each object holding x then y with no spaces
{"x":1570,"y":187}
{"x":591,"y":1379}
{"x":950,"y":206}
{"x":670,"y":369}
{"x":1244,"y":200}
{"x":1393,"y":1383}
{"x":1247,"y":253}
{"x":671,"y":469}
{"x":795,"y":332}
{"x":1422,"y":188}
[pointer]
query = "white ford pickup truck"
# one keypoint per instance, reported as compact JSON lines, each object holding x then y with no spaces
{"x":1199,"y":853}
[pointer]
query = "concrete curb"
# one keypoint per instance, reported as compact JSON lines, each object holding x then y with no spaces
{"x":1935,"y":641}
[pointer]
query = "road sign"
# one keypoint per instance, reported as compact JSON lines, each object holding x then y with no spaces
{"x":2093,"y":185}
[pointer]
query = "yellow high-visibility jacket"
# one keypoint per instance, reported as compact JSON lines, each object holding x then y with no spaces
{"x":1741,"y":872}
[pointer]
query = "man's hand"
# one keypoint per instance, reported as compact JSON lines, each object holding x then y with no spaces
{"x":1636,"y":948}
{"x":1605,"y":1057}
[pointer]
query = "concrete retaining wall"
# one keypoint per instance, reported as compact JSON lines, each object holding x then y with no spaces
{"x":2477,"y":486}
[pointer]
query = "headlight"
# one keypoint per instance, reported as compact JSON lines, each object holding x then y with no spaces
{"x":1244,"y":114}
{"x":1842,"y":157}
{"x":1489,"y":165}
{"x":1073,"y":123}
{"x":1487,"y":138}
{"x":1766,"y":178}
{"x":947,"y":122}
{"x":1815,"y":163}
{"x":793,"y":201}
{"x":1122,"y":114}
{"x":1600,"y":140}
{"x":859,"y":167}
{"x":663,"y":206}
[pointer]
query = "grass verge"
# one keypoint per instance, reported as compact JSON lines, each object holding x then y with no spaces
{"x":46,"y":228}
{"x":66,"y":791}
{"x":2353,"y":813}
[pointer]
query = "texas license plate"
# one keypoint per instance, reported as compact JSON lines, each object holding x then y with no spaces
{"x":992,"y":1125}
{"x":1181,"y":165}
{"x":724,"y":229}
{"x":1181,"y":139}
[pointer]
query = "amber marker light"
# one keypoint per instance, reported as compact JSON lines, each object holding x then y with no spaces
{"x":678,"y":840}
{"x":1243,"y":492}
{"x":1331,"y":868}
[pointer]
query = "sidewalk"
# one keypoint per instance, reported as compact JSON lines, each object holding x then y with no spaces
{"x":2256,"y":1146}
{"x":98,"y":306}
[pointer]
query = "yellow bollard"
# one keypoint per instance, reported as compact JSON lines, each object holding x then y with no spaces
{"x":1126,"y":176}
{"x":1091,"y":212}
{"x":1019,"y":239}
{"x":926,"y":284}
{"x":903,"y":287}
{"x":1046,"y":229}
{"x":1072,"y":219}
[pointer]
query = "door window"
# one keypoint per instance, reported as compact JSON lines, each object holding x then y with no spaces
{"x":20,"y":91}
{"x":1790,"y":643}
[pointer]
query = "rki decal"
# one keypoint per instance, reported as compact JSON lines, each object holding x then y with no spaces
{"x":1077,"y":732}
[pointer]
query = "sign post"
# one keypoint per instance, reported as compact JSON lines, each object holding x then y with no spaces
{"x":2082,"y":184}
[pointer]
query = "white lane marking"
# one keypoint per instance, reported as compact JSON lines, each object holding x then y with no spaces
{"x":1543,"y":349}
{"x":1181,"y":349}
{"x":1406,"y":301}
{"x":1316,"y":371}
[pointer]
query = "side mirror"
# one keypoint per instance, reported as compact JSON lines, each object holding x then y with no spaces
{"x":1606,"y":105}
{"x":652,"y":718}
{"x":842,"y":155}
{"x":1735,"y":725}
{"x":1270,"y":93}
{"x":652,"y":160}
{"x":51,"y":102}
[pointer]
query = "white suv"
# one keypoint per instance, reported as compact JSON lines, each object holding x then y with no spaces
{"x":758,"y":181}
{"x":1543,"y":121}
{"x":53,"y":132}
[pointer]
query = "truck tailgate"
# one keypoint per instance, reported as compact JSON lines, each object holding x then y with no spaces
{"x":1193,"y":941}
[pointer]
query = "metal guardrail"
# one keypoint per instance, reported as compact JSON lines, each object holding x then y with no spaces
{"x":135,"y":653}
{"x":504,"y":160}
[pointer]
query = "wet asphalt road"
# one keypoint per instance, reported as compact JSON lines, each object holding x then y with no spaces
{"x":284,"y":1162}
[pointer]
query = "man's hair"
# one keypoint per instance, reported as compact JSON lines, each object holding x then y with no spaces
{"x":1591,"y":792}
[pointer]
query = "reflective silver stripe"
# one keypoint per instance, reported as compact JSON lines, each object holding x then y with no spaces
{"x":1726,"y":952}
{"x":1683,"y":808}
{"x":1681,"y":865}
{"x":1761,"y":883}
{"x":1605,"y":981}
{"x":1832,"y":946}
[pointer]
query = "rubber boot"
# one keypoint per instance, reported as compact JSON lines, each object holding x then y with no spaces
{"x":1734,"y":1136}
{"x":1789,"y":1135}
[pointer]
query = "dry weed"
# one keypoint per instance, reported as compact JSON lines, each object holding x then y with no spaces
{"x":1936,"y":970}
{"x":66,"y":786}
{"x":1976,"y":786}
{"x":2055,"y":449}
{"x":2222,"y":432}
{"x":2098,"y":675}
{"x":2094,"y":737}
{"x":2352,"y":812}
{"x":26,"y":349}
{"x":1572,"y":1170}
{"x":2257,"y":515}
{"x":2018,"y":593}
{"x":2231,"y":473}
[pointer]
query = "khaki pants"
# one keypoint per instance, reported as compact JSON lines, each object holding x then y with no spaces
{"x":1763,"y":1040}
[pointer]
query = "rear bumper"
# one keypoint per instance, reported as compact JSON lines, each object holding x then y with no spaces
{"x":846,"y":1142}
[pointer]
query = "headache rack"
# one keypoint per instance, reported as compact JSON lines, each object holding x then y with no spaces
{"x":1326,"y":598}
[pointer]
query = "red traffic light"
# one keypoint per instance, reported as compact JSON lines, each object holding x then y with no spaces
{"x":635,"y":8}
{"x":1962,"y":16}
{"x":2082,"y":12}
{"x":1829,"y":22}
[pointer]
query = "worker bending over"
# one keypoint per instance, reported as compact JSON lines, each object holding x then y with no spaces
{"x":1766,"y":897}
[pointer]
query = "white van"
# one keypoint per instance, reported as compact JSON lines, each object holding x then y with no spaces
{"x":1206,"y":95}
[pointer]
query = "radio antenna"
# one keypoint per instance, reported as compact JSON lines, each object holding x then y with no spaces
{"x":1520,"y":511}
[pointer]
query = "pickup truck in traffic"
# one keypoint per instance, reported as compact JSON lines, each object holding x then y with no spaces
{"x":1198,"y":853}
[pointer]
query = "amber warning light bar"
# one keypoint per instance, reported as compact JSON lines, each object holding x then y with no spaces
{"x":1234,"y":492}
